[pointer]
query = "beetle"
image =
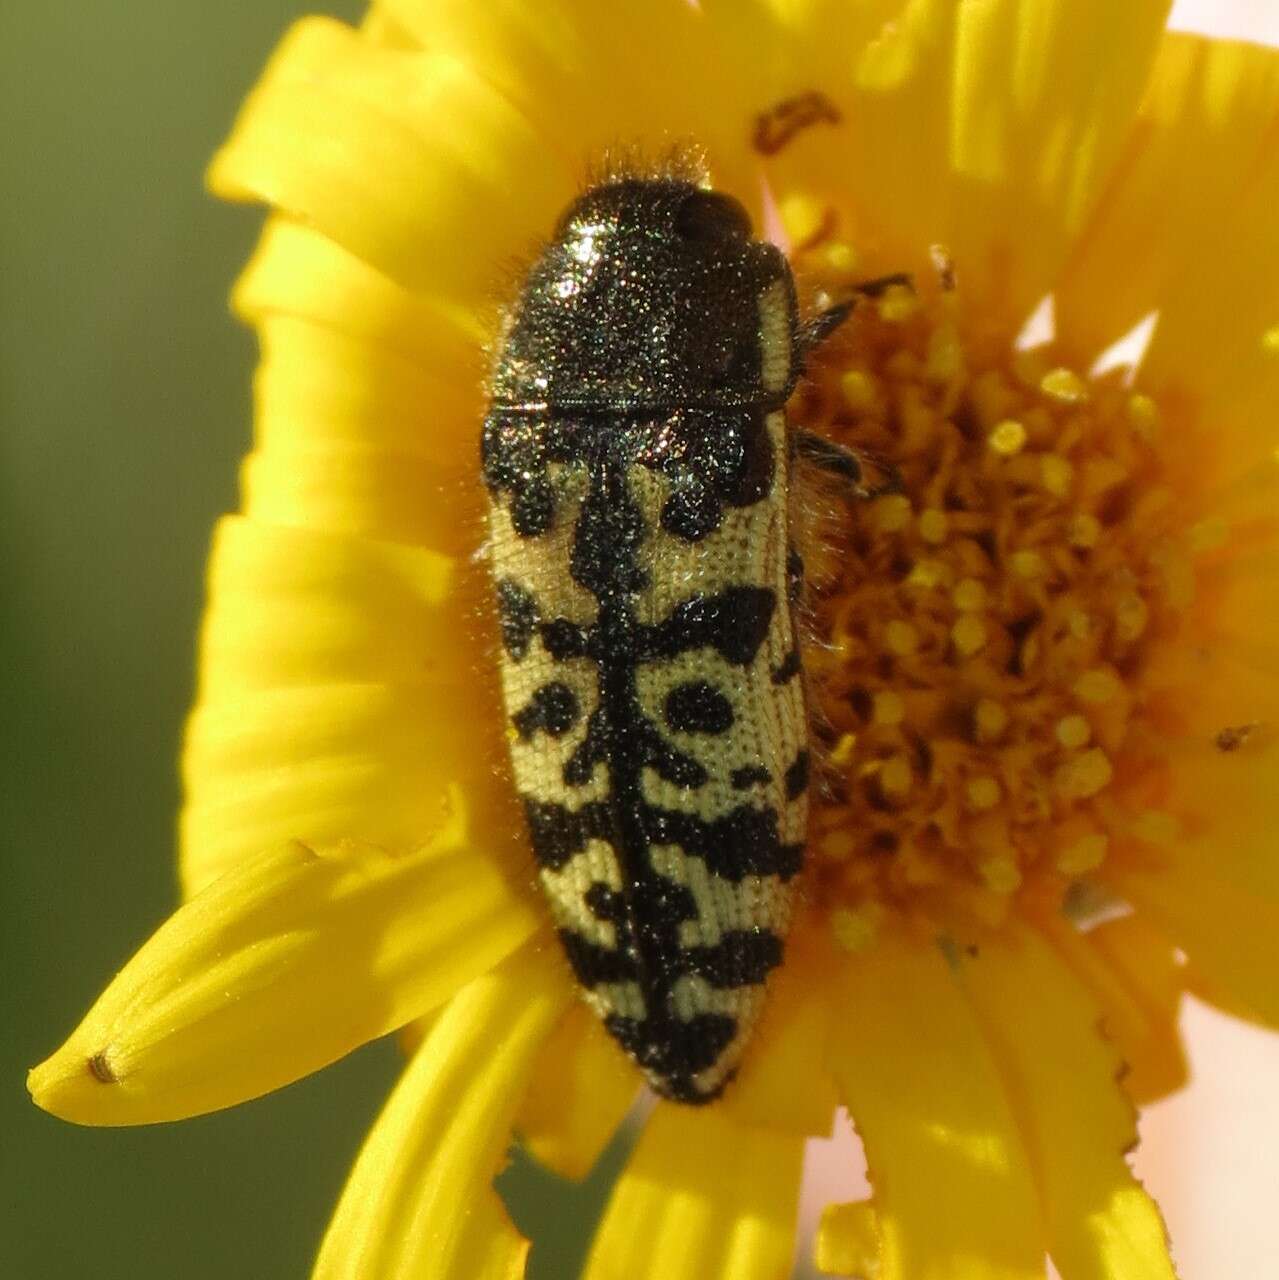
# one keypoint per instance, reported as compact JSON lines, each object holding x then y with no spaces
{"x":638,"y":464}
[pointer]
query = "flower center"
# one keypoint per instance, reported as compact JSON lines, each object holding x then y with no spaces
{"x":982,"y":633}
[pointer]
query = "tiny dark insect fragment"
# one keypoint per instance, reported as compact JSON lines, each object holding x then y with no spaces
{"x":1233,"y":737}
{"x":777,"y":127}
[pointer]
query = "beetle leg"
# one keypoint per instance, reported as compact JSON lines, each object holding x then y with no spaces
{"x":881,"y":284}
{"x":813,"y":332}
{"x":868,"y":476}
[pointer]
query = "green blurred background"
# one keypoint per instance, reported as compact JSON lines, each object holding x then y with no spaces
{"x":124,"y":408}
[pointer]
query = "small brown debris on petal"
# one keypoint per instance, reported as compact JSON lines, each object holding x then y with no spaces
{"x":1232,"y":737}
{"x":944,"y":266}
{"x":775,"y":127}
{"x":100,"y":1069}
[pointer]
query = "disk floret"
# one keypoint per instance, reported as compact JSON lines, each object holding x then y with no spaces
{"x":983,"y":634}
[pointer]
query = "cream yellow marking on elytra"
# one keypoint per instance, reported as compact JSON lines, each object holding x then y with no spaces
{"x":775,"y":337}
{"x":596,"y":864}
{"x":622,"y":998}
{"x":746,"y":904}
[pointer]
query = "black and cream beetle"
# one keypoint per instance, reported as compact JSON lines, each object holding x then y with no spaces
{"x":638,"y":462}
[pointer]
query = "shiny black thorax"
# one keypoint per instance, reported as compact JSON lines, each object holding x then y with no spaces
{"x":647,"y":297}
{"x":638,"y":334}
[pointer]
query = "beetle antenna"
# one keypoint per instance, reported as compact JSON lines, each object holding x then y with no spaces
{"x":813,"y":332}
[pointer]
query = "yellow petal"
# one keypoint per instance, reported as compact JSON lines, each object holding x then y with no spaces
{"x":847,"y":1240}
{"x":296,"y":271}
{"x":1201,"y":133}
{"x":363,"y":393}
{"x":1137,"y":979}
{"x":786,"y":1046}
{"x":1077,"y":1123}
{"x":1227,"y":807}
{"x":702,"y":1198}
{"x":953,"y":1187}
{"x":367,"y":399}
{"x":603,"y":78}
{"x":1227,"y":929}
{"x":278,"y":968}
{"x":323,"y":763}
{"x":410,"y":160}
{"x":353,"y":436}
{"x":783,"y":61}
{"x":579,"y":1094}
{"x":420,"y":1204}
{"x":989,"y":128}
{"x":886,"y":156}
{"x":1044,"y":92}
{"x":294,"y":607}
{"x":1217,"y":334}
{"x":383,"y":29}
{"x":364,"y":491}
{"x":335,"y":700}
{"x":1207,"y":179}
{"x":1240,"y":570}
{"x":1220,"y":680}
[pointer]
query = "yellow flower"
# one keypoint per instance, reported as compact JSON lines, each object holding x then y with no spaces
{"x":1046,"y":675}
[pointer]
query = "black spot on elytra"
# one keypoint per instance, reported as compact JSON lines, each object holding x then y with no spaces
{"x":579,"y":768}
{"x":558,"y":833}
{"x":797,"y":777}
{"x":604,"y":903}
{"x":746,"y":777}
{"x":668,"y":763}
{"x":533,"y":508}
{"x":564,"y":639}
{"x":666,"y":907}
{"x":687,"y":1047}
{"x":594,"y":964}
{"x":691,"y":513}
{"x":643,"y":743}
{"x":711,"y":460}
{"x":794,"y":575}
{"x":606,"y":541}
{"x":698,"y":707}
{"x":552,"y":709}
{"x":744,"y":842}
{"x":788,"y":668}
{"x":517,"y":614}
{"x":743,"y":957}
{"x":736,"y":459}
{"x":733,"y":622}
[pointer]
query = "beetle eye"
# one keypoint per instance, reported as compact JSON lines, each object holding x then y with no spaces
{"x":709,"y":217}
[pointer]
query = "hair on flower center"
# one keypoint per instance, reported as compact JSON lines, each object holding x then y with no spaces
{"x":981,"y":636}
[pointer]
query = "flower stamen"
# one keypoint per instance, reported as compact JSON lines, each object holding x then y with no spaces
{"x":990,"y":625}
